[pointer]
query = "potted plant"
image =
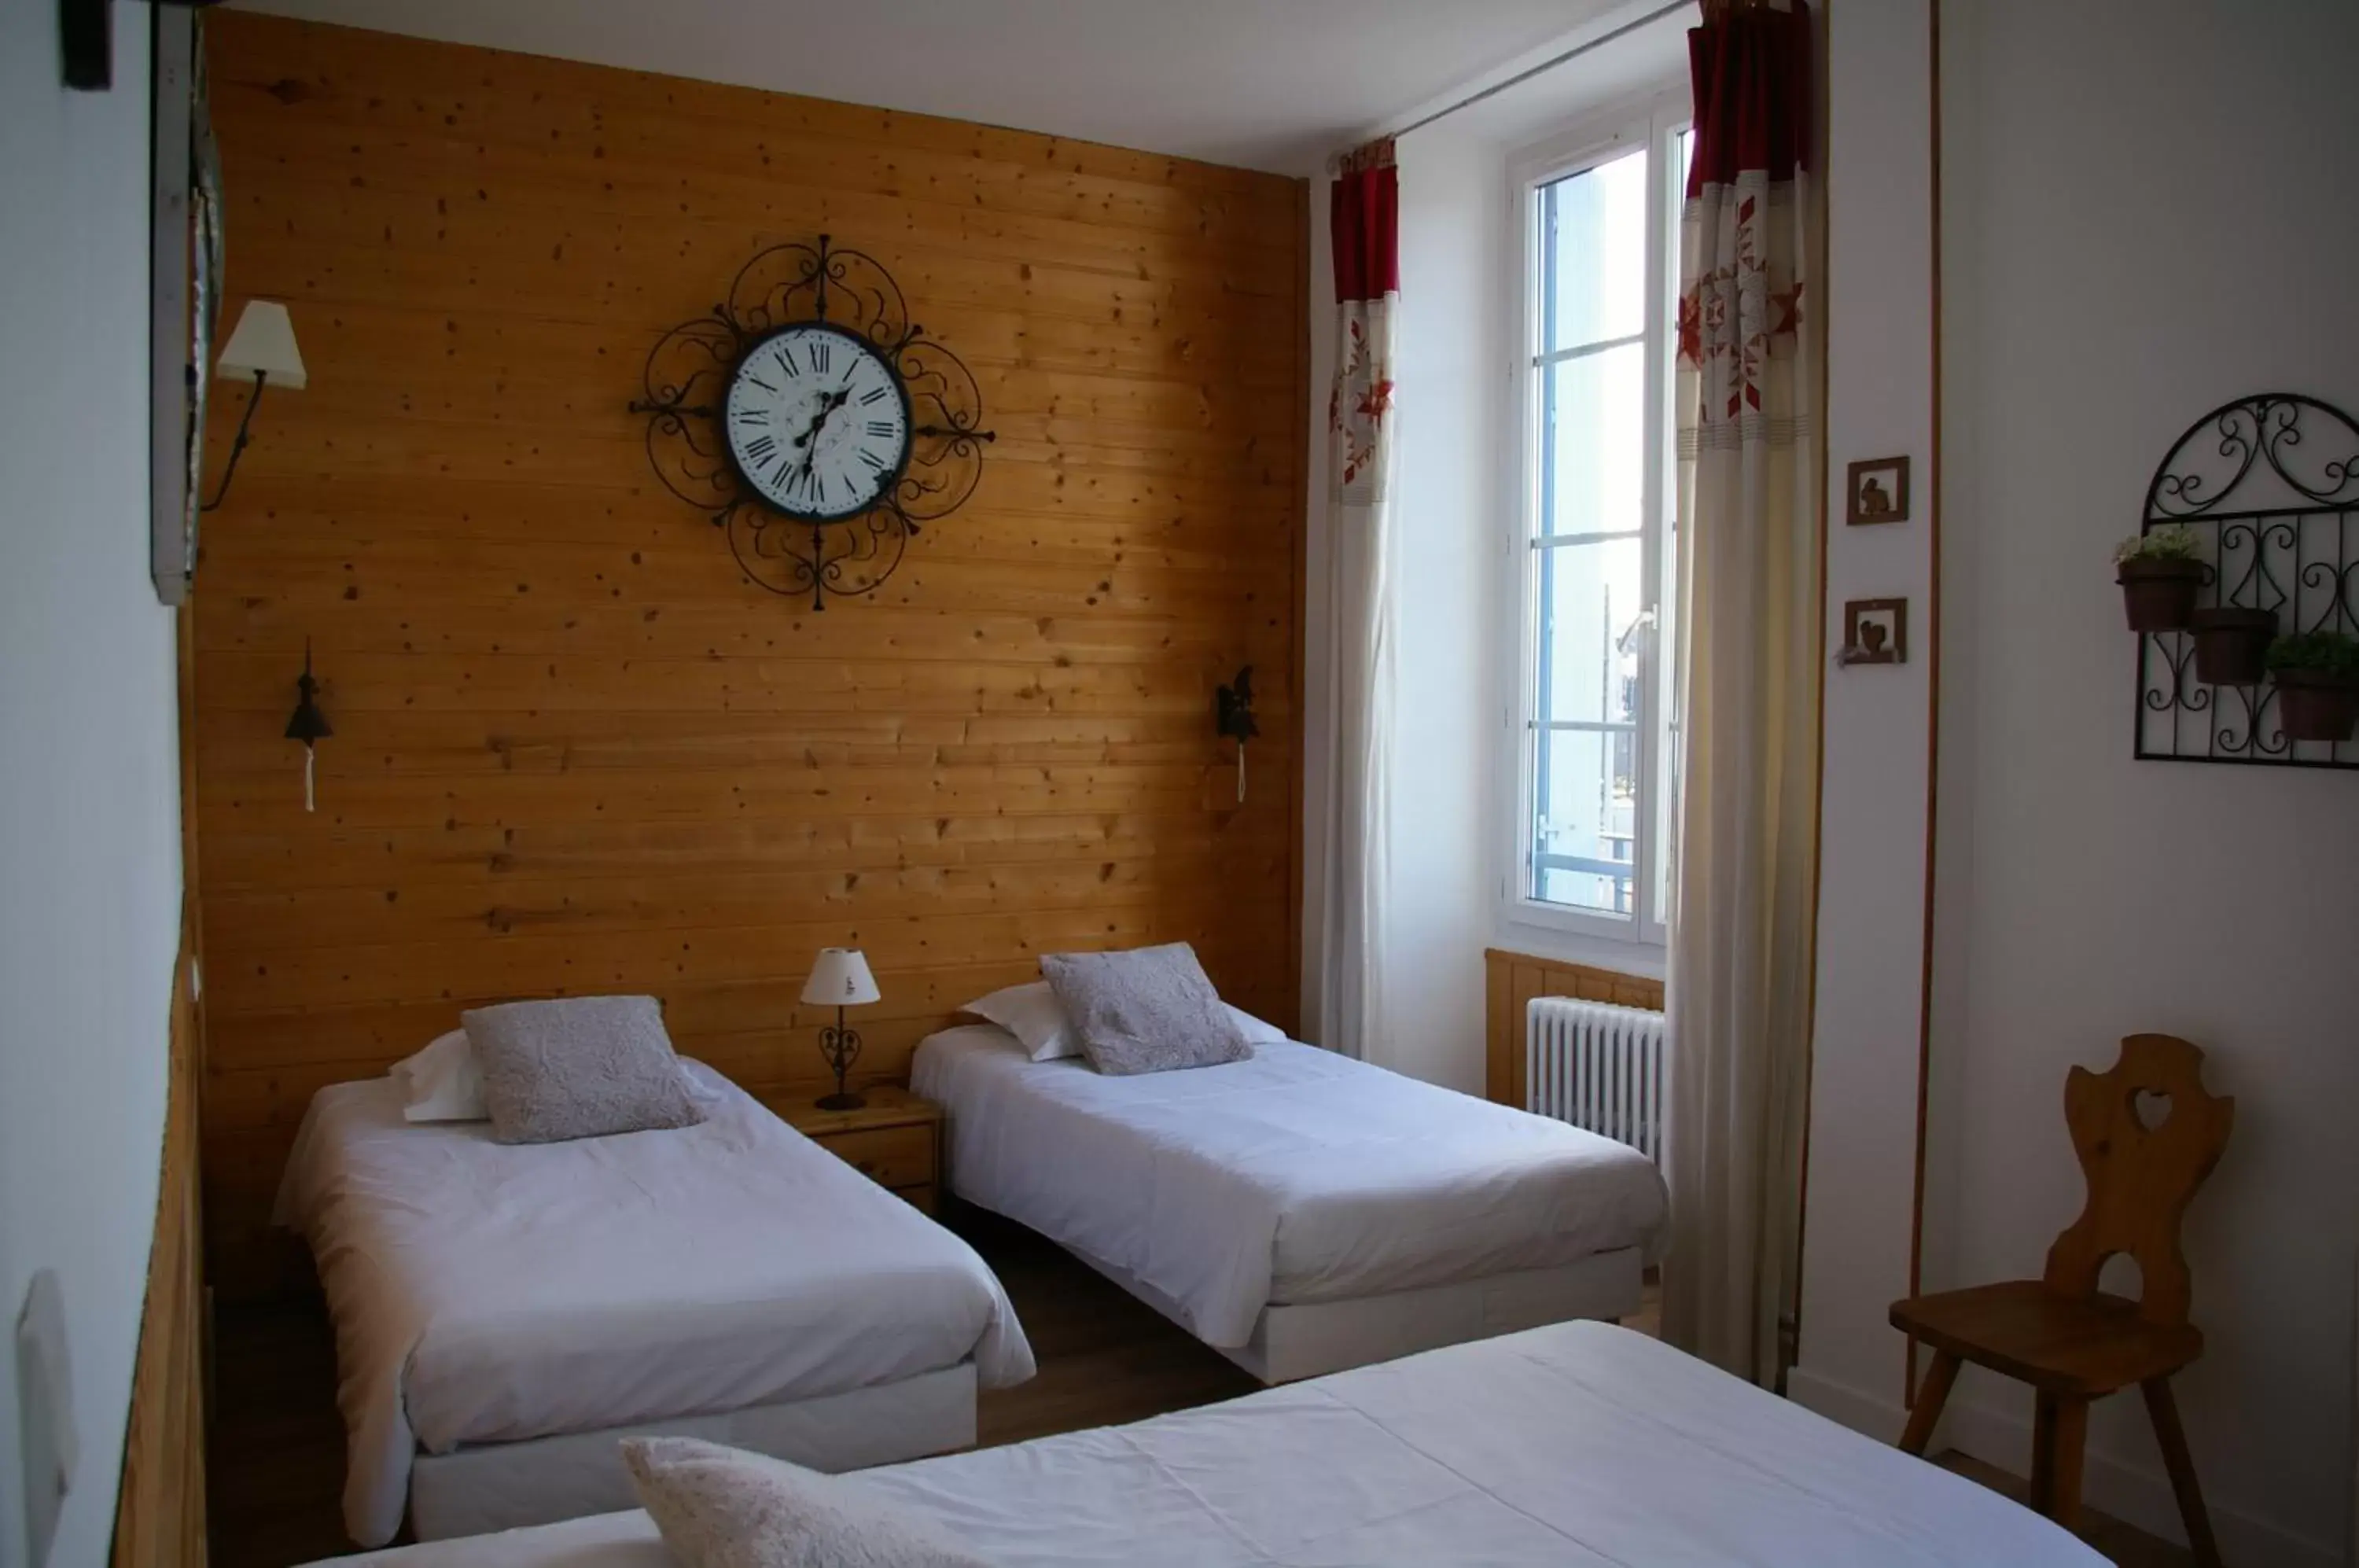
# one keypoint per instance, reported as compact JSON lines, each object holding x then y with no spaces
{"x":2318,"y":684}
{"x":2232,"y":644}
{"x":2160,"y":573}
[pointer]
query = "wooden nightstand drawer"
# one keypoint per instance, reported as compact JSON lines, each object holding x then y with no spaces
{"x":892,"y":1157}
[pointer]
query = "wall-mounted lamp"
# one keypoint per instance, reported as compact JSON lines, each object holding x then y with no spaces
{"x":308,"y":725}
{"x":263,"y":346}
{"x":1233,"y":717}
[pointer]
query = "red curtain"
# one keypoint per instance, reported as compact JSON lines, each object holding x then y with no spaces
{"x":1365,"y":210}
{"x":1750,"y":69}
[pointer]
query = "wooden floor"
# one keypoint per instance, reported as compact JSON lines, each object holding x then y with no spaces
{"x":278,"y":1455}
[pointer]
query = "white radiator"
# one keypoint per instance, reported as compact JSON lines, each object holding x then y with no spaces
{"x":1598,"y":1067}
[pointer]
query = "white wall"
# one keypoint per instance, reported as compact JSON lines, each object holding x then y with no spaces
{"x":1447,"y":535}
{"x":90,"y":878}
{"x":1863,"y":1141}
{"x":2142,"y":222}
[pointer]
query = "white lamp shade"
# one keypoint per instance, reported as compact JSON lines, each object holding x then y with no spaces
{"x":840,"y":979}
{"x":263,"y":343}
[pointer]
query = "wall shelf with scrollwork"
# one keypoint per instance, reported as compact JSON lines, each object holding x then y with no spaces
{"x":2270,"y":485}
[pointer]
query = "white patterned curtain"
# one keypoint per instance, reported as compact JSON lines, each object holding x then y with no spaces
{"x":1364,"y":212}
{"x":1742,"y":940}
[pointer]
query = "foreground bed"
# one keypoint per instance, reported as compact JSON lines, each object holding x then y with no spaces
{"x":1298,"y":1211}
{"x":1577,"y":1445}
{"x":503,"y":1312}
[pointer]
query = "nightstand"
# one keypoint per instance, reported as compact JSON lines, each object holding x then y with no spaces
{"x":894,"y":1140}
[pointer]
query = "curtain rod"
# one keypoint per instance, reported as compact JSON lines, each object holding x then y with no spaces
{"x":1648,"y":20}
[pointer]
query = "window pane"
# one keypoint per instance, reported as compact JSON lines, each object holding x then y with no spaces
{"x":1594,"y":448}
{"x":1591,"y":596}
{"x":1581,"y":847}
{"x":1592,"y":234}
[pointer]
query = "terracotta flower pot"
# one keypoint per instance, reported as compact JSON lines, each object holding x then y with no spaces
{"x":2232,"y":644}
{"x":2315,"y":705}
{"x":2159,"y":595}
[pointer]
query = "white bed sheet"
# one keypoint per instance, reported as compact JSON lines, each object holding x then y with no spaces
{"x":483,"y":1292}
{"x":1297,"y":1176}
{"x":1577,"y":1445}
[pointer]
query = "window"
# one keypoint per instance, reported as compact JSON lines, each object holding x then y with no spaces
{"x":1596,"y":546}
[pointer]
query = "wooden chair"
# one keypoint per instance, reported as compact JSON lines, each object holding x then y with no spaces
{"x":2072,"y":1342}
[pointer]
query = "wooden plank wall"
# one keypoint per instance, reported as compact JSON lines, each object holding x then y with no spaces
{"x":575,"y":749}
{"x":1512,"y":979}
{"x":160,"y":1509}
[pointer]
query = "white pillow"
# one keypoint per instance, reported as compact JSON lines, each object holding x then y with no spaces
{"x":723,"y":1508}
{"x":1034,"y":1016}
{"x":443,"y":1083}
{"x":1255,"y":1031}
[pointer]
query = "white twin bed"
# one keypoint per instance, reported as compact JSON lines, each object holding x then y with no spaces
{"x":1298,"y":1211}
{"x":503,"y":1313}
{"x":1578,"y":1445}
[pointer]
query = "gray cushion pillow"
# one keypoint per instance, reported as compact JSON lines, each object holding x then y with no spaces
{"x":1147,"y":1010}
{"x":578,"y":1067}
{"x":723,"y":1508}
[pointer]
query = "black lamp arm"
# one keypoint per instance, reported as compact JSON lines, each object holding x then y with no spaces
{"x":237,"y":448}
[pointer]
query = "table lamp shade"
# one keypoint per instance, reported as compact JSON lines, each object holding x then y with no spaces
{"x":264,"y":342}
{"x":840,"y":979}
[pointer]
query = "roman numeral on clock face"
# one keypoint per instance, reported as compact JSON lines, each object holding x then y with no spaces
{"x":759,"y":450}
{"x":883,"y":428}
{"x":874,"y":394}
{"x":818,"y":357}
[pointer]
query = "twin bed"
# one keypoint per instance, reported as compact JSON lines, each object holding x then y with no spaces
{"x":505,"y":1314}
{"x":1298,"y":1211}
{"x":1579,"y":1445}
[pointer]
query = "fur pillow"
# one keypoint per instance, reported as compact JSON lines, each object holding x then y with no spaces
{"x":578,"y":1067}
{"x":723,"y":1508}
{"x":1151,"y":1009}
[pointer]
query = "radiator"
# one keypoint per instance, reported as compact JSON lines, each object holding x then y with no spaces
{"x":1598,"y":1067}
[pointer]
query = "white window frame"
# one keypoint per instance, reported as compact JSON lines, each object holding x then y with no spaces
{"x":1654,"y":121}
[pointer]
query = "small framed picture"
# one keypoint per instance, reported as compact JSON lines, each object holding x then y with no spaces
{"x":1876,"y":631}
{"x":1878,"y":491}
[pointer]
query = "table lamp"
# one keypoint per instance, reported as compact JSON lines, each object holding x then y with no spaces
{"x":840,"y":979}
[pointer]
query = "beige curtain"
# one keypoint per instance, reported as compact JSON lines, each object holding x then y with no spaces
{"x":1738,"y":993}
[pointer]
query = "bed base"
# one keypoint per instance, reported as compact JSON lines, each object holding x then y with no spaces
{"x":504,"y":1485}
{"x":1292,"y":1341}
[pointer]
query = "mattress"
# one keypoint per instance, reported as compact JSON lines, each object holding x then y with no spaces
{"x":483,"y":1292}
{"x":1297,"y":1176}
{"x":1577,"y":1445}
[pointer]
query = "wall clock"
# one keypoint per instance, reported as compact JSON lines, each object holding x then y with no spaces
{"x":813,"y":421}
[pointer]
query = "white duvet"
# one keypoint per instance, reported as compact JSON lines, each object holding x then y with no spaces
{"x":485,"y":1292}
{"x":1578,"y":1445}
{"x":1297,"y":1176}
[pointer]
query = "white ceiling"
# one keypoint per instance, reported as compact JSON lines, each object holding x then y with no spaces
{"x":1274,"y":84}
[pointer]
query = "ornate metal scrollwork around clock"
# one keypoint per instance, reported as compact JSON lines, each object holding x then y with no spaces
{"x":815,"y":423}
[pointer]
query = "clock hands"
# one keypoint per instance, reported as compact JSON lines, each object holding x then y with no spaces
{"x":809,"y":440}
{"x":827,"y":405}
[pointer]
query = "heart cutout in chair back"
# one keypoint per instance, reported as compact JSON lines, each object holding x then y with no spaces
{"x":2151,"y":1109}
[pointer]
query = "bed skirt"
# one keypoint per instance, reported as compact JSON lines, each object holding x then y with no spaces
{"x":505,"y":1485}
{"x":1310,"y":1339}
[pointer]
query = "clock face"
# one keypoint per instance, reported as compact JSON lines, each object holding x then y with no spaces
{"x":816,"y":421}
